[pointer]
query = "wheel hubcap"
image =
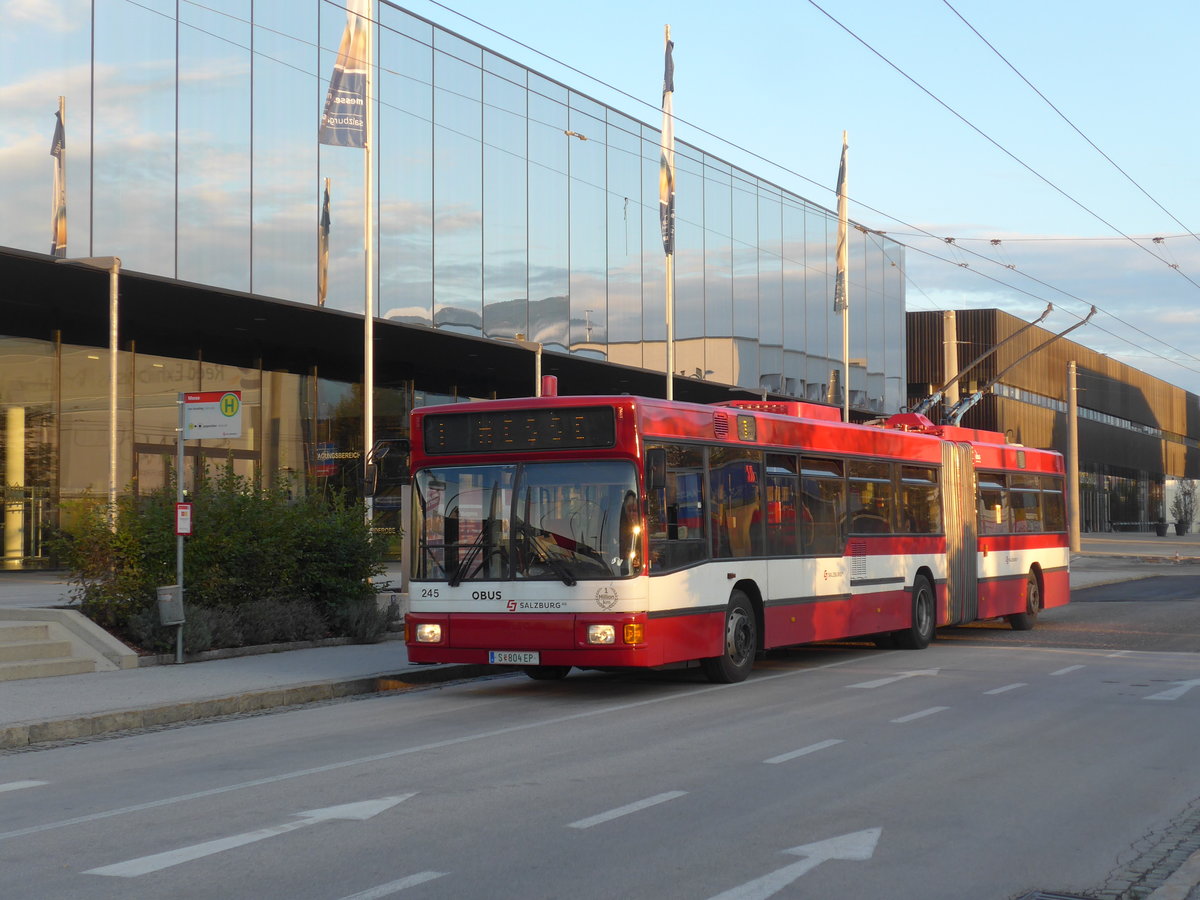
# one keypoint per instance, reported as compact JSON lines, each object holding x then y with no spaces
{"x":738,"y":637}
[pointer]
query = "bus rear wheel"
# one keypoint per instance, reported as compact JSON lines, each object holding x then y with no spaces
{"x":924,"y":613}
{"x":1033,"y":602}
{"x":741,"y":643}
{"x":547,"y":673}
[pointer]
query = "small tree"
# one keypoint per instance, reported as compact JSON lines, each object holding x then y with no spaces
{"x":1183,"y":506}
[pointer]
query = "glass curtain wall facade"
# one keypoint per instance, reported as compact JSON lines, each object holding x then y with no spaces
{"x":505,"y":202}
{"x":192,"y":153}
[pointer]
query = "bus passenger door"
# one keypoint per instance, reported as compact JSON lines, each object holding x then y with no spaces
{"x":962,"y":544}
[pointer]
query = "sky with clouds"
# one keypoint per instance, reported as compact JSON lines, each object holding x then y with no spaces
{"x":986,"y":123}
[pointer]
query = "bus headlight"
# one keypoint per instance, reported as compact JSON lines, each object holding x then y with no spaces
{"x":429,"y":633}
{"x":602,"y":634}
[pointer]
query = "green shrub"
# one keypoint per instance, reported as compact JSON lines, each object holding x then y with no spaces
{"x":271,"y":621}
{"x":259,"y":567}
{"x":363,"y":621}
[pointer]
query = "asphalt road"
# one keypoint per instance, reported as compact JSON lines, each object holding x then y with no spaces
{"x":992,"y":764}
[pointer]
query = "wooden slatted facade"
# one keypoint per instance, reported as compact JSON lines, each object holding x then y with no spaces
{"x":1137,"y":433}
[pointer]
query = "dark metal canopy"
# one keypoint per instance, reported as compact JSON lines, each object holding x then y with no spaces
{"x":166,"y":317}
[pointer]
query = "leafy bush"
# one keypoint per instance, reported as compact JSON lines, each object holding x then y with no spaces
{"x":260,"y":566}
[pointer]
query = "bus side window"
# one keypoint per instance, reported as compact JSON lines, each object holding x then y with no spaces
{"x":823,"y":507}
{"x":782,"y":496}
{"x":993,"y":504}
{"x":675,"y":506}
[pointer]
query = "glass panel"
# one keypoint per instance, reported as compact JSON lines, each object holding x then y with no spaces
{"x":735,"y":502}
{"x":558,"y":521}
{"x":654,"y":281}
{"x":689,"y":264}
{"x":458,"y":196}
{"x":718,"y":271}
{"x":794,"y":304}
{"x":158,"y":382}
{"x":83,"y":454}
{"x":1026,"y":511}
{"x":782,"y":504}
{"x":624,"y":242}
{"x":134,"y":167}
{"x":675,"y":511}
{"x":869,"y":505}
{"x":214,"y":143}
{"x":770,"y":290}
{"x":505,"y":215}
{"x":920,"y":504}
{"x":822,"y":517}
{"x":549,"y":280}
{"x":818,"y":305}
{"x":45,"y":55}
{"x":589,"y":241}
{"x":994,"y":516}
{"x":405,"y":137}
{"x":287,"y":187}
{"x":745,"y":278}
{"x":27,"y":448}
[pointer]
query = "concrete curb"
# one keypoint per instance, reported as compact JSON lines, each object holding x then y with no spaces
{"x":76,"y":727}
{"x":1181,"y":883}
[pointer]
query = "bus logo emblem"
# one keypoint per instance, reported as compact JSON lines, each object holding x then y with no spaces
{"x":606,"y":597}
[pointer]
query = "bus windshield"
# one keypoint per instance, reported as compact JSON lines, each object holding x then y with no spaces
{"x":565,"y":520}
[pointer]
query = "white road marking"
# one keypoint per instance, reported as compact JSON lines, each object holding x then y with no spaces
{"x":156,"y":862}
{"x":406,"y":751}
{"x":803,"y":751}
{"x":1007,"y":687}
{"x":394,"y":887}
{"x":1067,"y":669}
{"x":637,"y":806}
{"x":20,"y":785}
{"x":880,"y":682}
{"x":857,"y":846}
{"x":919,"y":715}
{"x":1181,"y":688}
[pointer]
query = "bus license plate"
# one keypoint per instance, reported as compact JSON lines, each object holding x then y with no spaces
{"x":513,"y":657}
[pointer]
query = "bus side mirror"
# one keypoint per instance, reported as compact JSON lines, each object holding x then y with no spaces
{"x":656,"y":470}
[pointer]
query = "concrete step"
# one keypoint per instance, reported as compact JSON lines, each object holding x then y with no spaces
{"x":14,"y":671}
{"x":23,"y":632}
{"x":21,"y":651}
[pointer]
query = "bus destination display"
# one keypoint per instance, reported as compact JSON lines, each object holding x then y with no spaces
{"x":534,"y":429}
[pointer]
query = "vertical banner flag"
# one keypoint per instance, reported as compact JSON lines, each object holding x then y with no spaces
{"x":841,"y":299}
{"x":323,"y":249}
{"x":666,"y":163}
{"x":343,"y":122}
{"x":58,"y":203}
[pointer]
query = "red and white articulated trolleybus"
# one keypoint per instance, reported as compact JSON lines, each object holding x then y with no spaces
{"x":616,"y":531}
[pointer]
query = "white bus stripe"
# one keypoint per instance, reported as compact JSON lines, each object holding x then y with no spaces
{"x":803,"y":751}
{"x":920,"y":715}
{"x":627,"y":809}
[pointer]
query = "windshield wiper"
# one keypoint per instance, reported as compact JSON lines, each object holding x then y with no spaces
{"x":535,"y":542}
{"x":476,"y":545}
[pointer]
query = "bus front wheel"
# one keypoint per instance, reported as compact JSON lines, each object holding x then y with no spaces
{"x":1033,"y":602}
{"x":741,"y":643}
{"x":924,"y":611}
